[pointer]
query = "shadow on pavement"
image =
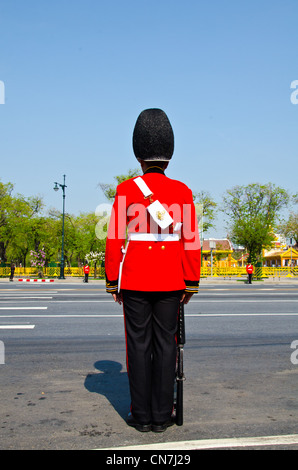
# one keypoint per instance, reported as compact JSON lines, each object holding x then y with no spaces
{"x":112,"y":383}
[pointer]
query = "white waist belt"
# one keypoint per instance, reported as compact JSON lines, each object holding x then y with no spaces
{"x":154,"y":237}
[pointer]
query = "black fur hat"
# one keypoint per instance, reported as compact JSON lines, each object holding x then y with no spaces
{"x":153,"y":137}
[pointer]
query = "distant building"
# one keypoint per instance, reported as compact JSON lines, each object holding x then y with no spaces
{"x":280,"y":258}
{"x":222,"y":253}
{"x":281,"y":254}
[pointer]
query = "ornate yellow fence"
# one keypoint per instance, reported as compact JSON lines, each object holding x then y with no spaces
{"x":262,"y":272}
{"x":226,"y":272}
{"x":51,"y":272}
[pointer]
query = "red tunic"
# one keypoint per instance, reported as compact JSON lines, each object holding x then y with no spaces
{"x":249,"y":268}
{"x":155,"y":259}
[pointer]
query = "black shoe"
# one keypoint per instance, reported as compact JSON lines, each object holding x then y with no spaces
{"x":161,"y":427}
{"x":139,"y":426}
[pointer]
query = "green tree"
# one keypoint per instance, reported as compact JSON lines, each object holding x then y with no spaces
{"x":5,"y":209}
{"x":27,"y":228}
{"x":253,"y":211}
{"x":95,"y":258}
{"x":17,"y":218}
{"x":79,"y":237}
{"x":209,"y":207}
{"x":49,"y":240}
{"x":86,"y":236}
{"x":109,"y":190}
{"x":289,"y":227}
{"x":70,"y":237}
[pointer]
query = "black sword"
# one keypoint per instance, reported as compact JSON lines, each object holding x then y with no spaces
{"x":179,"y":372}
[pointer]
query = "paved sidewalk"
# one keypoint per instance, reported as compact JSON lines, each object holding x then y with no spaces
{"x":244,"y":280}
{"x":67,"y":280}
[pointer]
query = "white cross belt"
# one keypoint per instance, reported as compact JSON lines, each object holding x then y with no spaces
{"x":154,"y":237}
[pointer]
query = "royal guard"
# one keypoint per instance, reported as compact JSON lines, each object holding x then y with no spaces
{"x":152,"y":264}
{"x":249,"y":270}
{"x":12,"y":270}
{"x":86,"y":270}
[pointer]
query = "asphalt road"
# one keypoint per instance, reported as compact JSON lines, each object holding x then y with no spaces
{"x":63,"y":373}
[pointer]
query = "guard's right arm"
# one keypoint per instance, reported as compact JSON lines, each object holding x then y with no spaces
{"x":115,"y":240}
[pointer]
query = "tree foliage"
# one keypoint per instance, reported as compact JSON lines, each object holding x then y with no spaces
{"x":253,"y":211}
{"x":209,"y":207}
{"x":19,"y":221}
{"x":109,"y":190}
{"x":25,"y":228}
{"x":289,"y":226}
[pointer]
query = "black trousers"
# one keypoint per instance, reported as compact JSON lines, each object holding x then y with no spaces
{"x":150,"y":328}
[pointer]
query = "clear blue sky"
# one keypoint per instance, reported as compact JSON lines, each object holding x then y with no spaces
{"x":78,"y":72}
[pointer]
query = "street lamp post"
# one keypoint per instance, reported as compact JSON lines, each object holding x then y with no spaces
{"x":56,"y":188}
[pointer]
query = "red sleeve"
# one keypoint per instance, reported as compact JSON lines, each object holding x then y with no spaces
{"x":191,"y":246}
{"x":115,"y":240}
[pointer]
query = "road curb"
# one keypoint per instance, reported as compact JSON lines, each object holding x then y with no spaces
{"x":36,"y":280}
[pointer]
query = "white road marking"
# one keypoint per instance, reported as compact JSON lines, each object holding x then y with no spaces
{"x":215,"y":443}
{"x":23,"y":308}
{"x":225,"y":301}
{"x":29,"y":291}
{"x":67,"y":301}
{"x":199,"y":295}
{"x":99,"y":301}
{"x":240,"y":314}
{"x":198,"y":315}
{"x":236,"y":301}
{"x":237,"y":294}
{"x":85,"y":301}
{"x":62,"y":316}
{"x":25,"y":297}
{"x":17,"y":327}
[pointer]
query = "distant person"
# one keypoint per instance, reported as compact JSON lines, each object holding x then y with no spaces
{"x":12,"y":270}
{"x":86,"y":270}
{"x":249,"y":270}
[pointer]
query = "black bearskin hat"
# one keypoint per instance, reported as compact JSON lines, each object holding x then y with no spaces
{"x":153,"y":137}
